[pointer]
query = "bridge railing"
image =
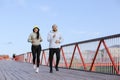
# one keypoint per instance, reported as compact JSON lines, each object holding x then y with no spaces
{"x":98,"y":55}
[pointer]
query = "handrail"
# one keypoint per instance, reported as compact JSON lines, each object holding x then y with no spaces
{"x":104,"y":58}
{"x":92,"y":40}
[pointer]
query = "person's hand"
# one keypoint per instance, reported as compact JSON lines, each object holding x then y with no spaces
{"x":54,"y":36}
{"x":41,"y":40}
{"x":57,"y":41}
{"x":33,"y":41}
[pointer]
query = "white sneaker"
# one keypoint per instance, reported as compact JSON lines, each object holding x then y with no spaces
{"x":34,"y":66}
{"x":37,"y":70}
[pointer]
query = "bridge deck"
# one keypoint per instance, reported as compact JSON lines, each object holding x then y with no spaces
{"x":11,"y":70}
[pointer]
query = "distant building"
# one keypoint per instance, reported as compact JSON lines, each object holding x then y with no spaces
{"x":114,"y":51}
{"x":4,"y":57}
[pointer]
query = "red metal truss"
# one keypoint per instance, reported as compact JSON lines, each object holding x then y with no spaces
{"x":43,"y":56}
{"x":72,"y":56}
{"x":61,"y":49}
{"x":29,"y":57}
{"x":83,"y":62}
{"x":95,"y":55}
{"x":80,"y":54}
{"x":109,"y":54}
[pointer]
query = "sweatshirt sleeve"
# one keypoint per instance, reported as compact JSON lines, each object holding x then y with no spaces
{"x":40,"y":38}
{"x":29,"y":38}
{"x":48,"y":37}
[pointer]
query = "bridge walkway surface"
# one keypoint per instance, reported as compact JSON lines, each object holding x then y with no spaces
{"x":12,"y":70}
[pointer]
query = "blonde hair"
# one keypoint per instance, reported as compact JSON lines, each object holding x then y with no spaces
{"x":54,"y":25}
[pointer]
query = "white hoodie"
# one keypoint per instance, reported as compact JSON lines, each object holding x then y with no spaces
{"x":52,"y":40}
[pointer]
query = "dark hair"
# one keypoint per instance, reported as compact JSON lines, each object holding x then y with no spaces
{"x":37,"y":33}
{"x":13,"y":55}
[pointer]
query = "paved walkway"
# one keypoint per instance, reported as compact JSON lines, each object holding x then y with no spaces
{"x":11,"y":70}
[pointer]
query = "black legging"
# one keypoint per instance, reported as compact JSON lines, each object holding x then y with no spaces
{"x":36,"y":50}
{"x":51,"y":54}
